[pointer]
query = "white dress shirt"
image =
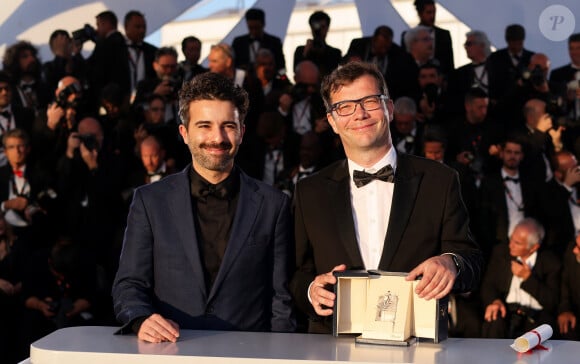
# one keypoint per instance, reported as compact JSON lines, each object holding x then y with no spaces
{"x":514,"y":201}
{"x":371,"y":210}
{"x":516,"y":294}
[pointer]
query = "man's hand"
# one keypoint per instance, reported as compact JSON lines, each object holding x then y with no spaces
{"x":54,"y":114}
{"x":492,"y":310}
{"x":566,"y":320}
{"x":72,"y":143}
{"x":17,"y":203}
{"x":464,"y":158}
{"x":521,"y":270}
{"x":427,"y":109}
{"x":321,"y":296}
{"x":438,"y":277}
{"x":79,"y":305}
{"x":545,"y":123}
{"x":89,"y":157}
{"x":7,"y":287}
{"x":164,"y":88}
{"x":156,"y":329}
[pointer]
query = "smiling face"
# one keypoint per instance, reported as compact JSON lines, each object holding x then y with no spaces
{"x":363,"y":131}
{"x":213,"y":135}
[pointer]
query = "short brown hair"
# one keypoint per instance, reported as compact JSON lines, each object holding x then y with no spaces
{"x":212,"y":86}
{"x":347,"y":74}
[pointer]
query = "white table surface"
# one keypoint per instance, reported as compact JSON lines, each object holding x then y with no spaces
{"x":89,"y":345}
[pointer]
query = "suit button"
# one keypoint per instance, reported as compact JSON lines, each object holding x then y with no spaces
{"x":209,"y":310}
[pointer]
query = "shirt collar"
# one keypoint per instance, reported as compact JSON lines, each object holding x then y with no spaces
{"x":504,"y":174}
{"x":389,"y":158}
{"x":230,"y":185}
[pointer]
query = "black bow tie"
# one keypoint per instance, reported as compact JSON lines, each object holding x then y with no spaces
{"x":6,"y":114}
{"x":362,"y":178}
{"x":27,"y":86}
{"x":514,"y":180}
{"x":214,"y":190}
{"x":136,"y":46}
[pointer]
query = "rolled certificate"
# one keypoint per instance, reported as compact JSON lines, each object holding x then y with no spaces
{"x":533,"y":338}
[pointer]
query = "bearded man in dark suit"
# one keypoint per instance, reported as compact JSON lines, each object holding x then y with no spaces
{"x":402,"y":213}
{"x":206,"y":248}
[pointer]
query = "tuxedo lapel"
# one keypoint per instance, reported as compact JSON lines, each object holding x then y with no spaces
{"x":179,"y":201}
{"x":249,"y":203}
{"x":404,"y":194}
{"x":338,"y":192}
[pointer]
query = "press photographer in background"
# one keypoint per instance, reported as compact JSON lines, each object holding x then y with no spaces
{"x":316,"y":49}
{"x":89,"y":182}
{"x":532,"y":84}
{"x":166,"y":82}
{"x":108,"y":62}
{"x":62,"y":117}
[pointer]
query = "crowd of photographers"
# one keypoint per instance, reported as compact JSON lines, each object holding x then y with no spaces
{"x":78,"y":135}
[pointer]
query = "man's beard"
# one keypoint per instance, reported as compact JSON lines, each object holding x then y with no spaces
{"x":213,"y":163}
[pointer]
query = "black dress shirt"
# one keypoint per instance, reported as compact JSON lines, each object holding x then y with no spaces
{"x":214,"y":207}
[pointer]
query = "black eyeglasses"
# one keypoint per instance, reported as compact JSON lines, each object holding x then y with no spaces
{"x":368,"y":103}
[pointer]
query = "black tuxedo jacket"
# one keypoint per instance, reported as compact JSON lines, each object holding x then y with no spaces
{"x":427,"y":218}
{"x":241,"y":46}
{"x":149,"y":51}
{"x":494,"y":221}
{"x":502,"y":72}
{"x":416,"y":146}
{"x":556,"y":216}
{"x":35,"y":178}
{"x":460,"y":81}
{"x":560,"y":77}
{"x":108,"y":64}
{"x":570,"y":294}
{"x":543,"y":284}
{"x":401,"y":72}
{"x":443,"y":49}
{"x":326,"y":58}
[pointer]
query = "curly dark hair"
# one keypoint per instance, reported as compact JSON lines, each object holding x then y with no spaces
{"x":11,"y":60}
{"x":212,"y":86}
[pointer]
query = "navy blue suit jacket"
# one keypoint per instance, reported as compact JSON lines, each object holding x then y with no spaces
{"x":160,"y":269}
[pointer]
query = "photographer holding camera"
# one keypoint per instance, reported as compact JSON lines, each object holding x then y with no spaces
{"x":316,"y":50}
{"x":166,"y":82}
{"x":89,"y":180}
{"x":108,"y":62}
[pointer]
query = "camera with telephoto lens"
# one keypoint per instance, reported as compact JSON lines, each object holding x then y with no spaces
{"x":88,"y":140}
{"x":62,"y":99}
{"x":85,"y":33}
{"x":535,"y":77}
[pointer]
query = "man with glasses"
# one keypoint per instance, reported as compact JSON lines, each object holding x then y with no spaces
{"x":166,"y":83}
{"x":342,"y":213}
{"x":419,"y":43}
